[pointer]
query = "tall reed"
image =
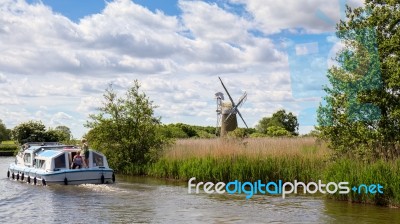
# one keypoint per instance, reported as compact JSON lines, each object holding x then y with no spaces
{"x":266,"y":159}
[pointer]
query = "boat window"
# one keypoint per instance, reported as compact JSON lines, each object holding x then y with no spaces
{"x":59,"y":162}
{"x":40,"y":164}
{"x":27,"y":158}
{"x":97,"y":159}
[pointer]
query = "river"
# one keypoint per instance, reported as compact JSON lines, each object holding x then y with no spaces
{"x":149,"y":200}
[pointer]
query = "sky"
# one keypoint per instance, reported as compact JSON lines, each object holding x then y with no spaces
{"x":58,"y":57}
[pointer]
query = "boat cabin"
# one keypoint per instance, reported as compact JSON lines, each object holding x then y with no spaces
{"x":56,"y":157}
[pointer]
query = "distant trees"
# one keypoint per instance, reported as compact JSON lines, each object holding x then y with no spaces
{"x":180,"y":130}
{"x":280,"y":124}
{"x":35,"y":131}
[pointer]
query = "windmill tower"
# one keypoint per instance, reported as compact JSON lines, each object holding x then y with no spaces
{"x":226,"y":111}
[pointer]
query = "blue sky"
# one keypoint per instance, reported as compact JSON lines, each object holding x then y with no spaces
{"x":58,"y":56}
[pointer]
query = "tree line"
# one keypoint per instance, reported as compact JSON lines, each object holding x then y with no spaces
{"x":35,"y":131}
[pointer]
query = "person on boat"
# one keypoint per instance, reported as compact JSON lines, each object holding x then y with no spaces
{"x":77,"y":161}
{"x":85,"y":149}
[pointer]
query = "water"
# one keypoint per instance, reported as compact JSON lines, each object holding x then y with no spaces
{"x":148,"y":200}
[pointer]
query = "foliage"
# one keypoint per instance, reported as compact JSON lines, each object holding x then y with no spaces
{"x":258,"y":135}
{"x":277,"y":131}
{"x":205,"y":134}
{"x":361,"y":113}
{"x":8,"y":147}
{"x":180,"y":130}
{"x":238,"y":133}
{"x":35,"y":131}
{"x":189,"y":130}
{"x":4,"y":132}
{"x":64,"y":133}
{"x":312,"y":133}
{"x":125,"y":129}
{"x":31,"y":131}
{"x":172,"y":131}
{"x":287,"y":121}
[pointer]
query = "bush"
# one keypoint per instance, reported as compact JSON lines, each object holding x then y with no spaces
{"x":277,"y":131}
{"x":258,"y":135}
{"x":237,"y":133}
{"x":8,"y":147}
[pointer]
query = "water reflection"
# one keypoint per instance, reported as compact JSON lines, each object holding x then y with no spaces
{"x":344,"y":212}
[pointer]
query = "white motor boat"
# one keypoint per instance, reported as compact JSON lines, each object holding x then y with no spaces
{"x":49,"y":164}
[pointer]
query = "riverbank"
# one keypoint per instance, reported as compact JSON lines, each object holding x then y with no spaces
{"x":273,"y":159}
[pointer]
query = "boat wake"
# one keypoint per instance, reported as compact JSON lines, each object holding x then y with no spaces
{"x":100,"y":188}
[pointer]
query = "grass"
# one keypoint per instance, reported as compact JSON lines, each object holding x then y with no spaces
{"x":272,"y":159}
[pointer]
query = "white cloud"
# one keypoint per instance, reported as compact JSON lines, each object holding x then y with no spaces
{"x":3,"y":78}
{"x":312,"y":16}
{"x":308,"y":48}
{"x":207,"y":21}
{"x":89,"y":104}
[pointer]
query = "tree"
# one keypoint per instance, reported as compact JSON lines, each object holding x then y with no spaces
{"x":361,"y":114}
{"x":35,"y":131}
{"x":4,"y":132}
{"x":172,"y":131}
{"x":287,"y":121}
{"x":125,"y":129}
{"x":31,"y":131}
{"x":64,"y":133}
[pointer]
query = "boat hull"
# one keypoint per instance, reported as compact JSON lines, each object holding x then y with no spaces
{"x":62,"y":176}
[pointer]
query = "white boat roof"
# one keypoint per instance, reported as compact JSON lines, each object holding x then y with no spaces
{"x":37,"y":149}
{"x":48,"y":154}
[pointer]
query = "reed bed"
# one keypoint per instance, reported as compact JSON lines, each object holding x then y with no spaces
{"x":273,"y":159}
{"x":266,"y":159}
{"x":254,"y":147}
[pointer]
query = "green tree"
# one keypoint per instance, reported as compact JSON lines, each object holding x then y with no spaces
{"x":125,"y":129}
{"x":31,"y":131}
{"x":287,"y":121}
{"x":361,"y":113}
{"x":4,"y":132}
{"x":172,"y":131}
{"x":188,"y":129}
{"x":64,"y":133}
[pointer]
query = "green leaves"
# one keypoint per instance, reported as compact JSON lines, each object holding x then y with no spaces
{"x":281,"y":123}
{"x":125,"y":128}
{"x":359,"y":115}
{"x":35,"y":131}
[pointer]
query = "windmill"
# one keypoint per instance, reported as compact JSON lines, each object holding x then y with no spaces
{"x":226,"y":111}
